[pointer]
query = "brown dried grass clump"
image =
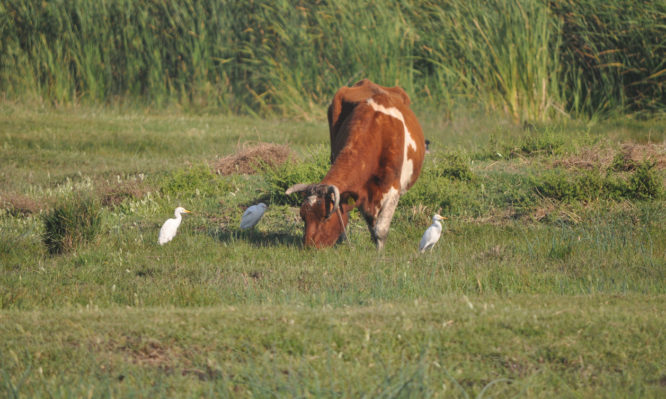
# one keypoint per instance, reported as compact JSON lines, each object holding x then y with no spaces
{"x":551,"y":209}
{"x":145,"y":351}
{"x":497,"y":217}
{"x":114,"y":194}
{"x":636,"y":153}
{"x":602,"y":158}
{"x":496,"y":252}
{"x":252,"y":158}
{"x":20,"y":205}
{"x":588,"y":158}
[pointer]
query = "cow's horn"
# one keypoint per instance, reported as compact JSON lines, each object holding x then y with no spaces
{"x":297,"y":188}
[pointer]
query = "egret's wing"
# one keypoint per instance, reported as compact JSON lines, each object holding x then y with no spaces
{"x":430,"y":237}
{"x":255,"y":211}
{"x":168,"y":231}
{"x":425,"y":239}
{"x":251,"y":216}
{"x":246,"y":222}
{"x":249,"y":211}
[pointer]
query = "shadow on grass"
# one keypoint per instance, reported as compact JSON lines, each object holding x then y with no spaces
{"x":257,"y":238}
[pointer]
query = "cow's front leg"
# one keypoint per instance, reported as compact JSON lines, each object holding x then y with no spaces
{"x":383,"y":217}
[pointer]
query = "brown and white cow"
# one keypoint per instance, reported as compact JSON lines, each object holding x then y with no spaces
{"x":377,"y":150}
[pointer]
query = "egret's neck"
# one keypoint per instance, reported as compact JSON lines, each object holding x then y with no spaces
{"x":437,"y":224}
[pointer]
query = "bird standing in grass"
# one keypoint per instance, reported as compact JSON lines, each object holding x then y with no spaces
{"x":431,"y":235}
{"x":170,"y":227}
{"x":252,"y":215}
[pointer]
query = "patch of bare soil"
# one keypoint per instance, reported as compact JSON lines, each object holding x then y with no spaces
{"x":250,"y":159}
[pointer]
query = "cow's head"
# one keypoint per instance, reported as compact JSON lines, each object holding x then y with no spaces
{"x":321,"y":212}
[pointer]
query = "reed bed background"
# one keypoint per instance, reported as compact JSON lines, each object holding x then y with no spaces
{"x":531,"y":59}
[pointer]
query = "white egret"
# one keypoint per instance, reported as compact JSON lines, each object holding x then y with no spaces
{"x":252,"y":215}
{"x":169,"y":228}
{"x":431,"y":235}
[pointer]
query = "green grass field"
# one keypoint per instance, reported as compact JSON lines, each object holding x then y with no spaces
{"x":549,"y":279}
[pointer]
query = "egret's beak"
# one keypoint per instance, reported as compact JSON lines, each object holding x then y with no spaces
{"x":186,"y":211}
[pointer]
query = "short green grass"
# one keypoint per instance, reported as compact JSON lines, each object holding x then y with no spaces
{"x":526,"y":294}
{"x":456,"y":346}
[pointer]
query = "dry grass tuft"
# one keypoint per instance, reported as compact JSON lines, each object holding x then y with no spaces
{"x":146,"y":351}
{"x":637,"y":153}
{"x":544,"y":210}
{"x":111,"y":194}
{"x":588,"y":158}
{"x":252,"y":158}
{"x":551,"y":209}
{"x":20,"y":205}
{"x":496,"y":217}
{"x":496,"y":252}
{"x":602,"y":158}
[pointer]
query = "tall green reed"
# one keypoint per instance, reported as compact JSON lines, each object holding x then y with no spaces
{"x":530,"y":58}
{"x":505,"y":53}
{"x":613,"y":55}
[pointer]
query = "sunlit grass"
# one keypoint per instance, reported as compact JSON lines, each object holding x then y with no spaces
{"x":525,"y":294}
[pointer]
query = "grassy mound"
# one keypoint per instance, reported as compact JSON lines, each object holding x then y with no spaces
{"x":252,"y":158}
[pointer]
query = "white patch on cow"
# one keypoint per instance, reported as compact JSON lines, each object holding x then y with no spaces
{"x":384,"y":214}
{"x":407,"y":164}
{"x":312,"y":199}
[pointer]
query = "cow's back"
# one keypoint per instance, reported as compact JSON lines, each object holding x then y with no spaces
{"x":345,"y":102}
